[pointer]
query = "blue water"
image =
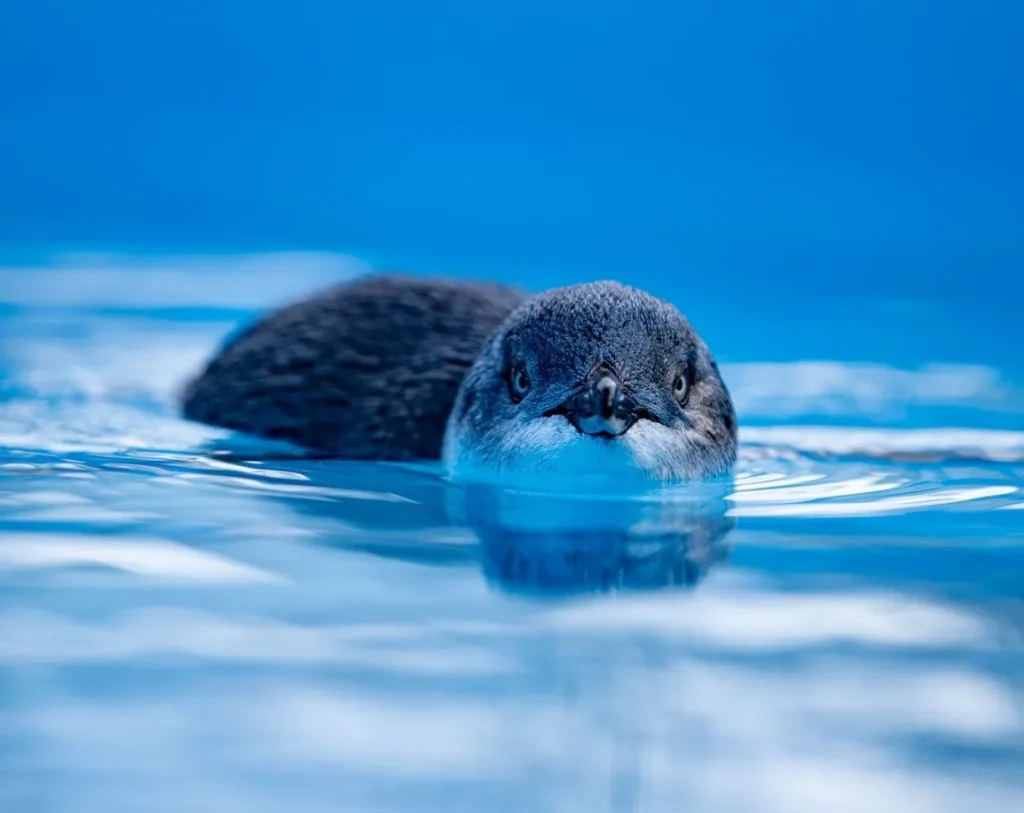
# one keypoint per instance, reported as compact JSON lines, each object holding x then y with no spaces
{"x":184,"y":626}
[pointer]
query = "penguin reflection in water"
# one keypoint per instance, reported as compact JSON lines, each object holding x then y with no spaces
{"x":587,"y":388}
{"x":551,"y":545}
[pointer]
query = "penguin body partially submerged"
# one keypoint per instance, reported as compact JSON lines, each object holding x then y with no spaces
{"x":590,"y":379}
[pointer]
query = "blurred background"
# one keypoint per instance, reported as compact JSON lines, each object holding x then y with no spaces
{"x":809,"y":181}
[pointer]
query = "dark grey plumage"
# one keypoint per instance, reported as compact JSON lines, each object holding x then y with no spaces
{"x":366,"y":370}
{"x":562,"y":340}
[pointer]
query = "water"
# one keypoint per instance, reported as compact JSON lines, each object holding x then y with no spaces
{"x":188,"y":623}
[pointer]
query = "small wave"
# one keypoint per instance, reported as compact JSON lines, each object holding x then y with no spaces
{"x":238,"y":282}
{"x":775,"y":391}
{"x":142,"y":556}
{"x":906,"y":445}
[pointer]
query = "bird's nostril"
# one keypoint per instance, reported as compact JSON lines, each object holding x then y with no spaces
{"x":607,"y":390}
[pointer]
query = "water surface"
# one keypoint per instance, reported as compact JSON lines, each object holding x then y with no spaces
{"x":186,"y":624}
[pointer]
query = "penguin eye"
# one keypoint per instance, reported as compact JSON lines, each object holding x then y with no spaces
{"x":681,"y":387}
{"x":518,"y":383}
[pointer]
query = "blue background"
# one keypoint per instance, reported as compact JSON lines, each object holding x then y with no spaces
{"x":805,"y":179}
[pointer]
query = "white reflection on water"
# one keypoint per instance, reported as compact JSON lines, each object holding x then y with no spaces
{"x":46,"y":638}
{"x":133,"y":554}
{"x":576,"y":710}
{"x":753,"y":620}
{"x":1002,"y":446}
{"x":908,"y":502}
{"x":237,"y":281}
{"x":781,"y":389}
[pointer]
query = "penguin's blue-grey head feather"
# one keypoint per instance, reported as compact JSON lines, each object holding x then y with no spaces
{"x":595,"y":380}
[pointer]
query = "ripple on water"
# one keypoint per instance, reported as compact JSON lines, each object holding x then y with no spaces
{"x":831,"y":630}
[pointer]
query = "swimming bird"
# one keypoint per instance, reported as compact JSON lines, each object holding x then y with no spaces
{"x":597,"y":379}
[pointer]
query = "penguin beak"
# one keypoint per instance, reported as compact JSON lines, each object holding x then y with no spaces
{"x":602,"y":408}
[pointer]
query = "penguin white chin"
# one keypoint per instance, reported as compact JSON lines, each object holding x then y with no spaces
{"x":550,"y":453}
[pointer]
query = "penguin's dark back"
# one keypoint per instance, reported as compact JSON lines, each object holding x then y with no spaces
{"x":365,"y":370}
